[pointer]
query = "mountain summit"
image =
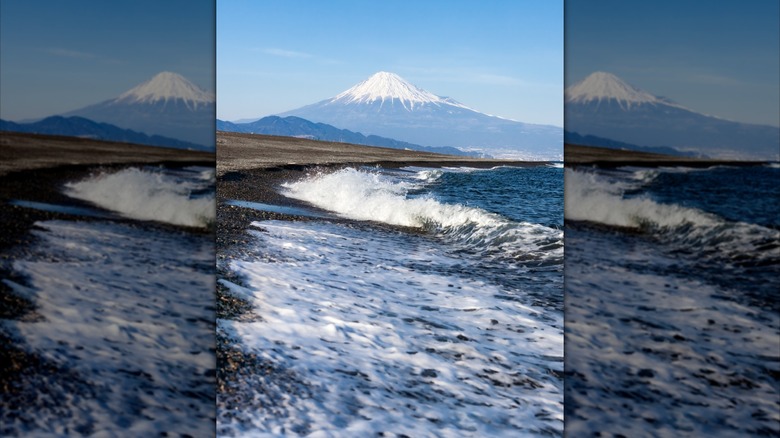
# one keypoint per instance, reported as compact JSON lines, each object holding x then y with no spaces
{"x":386,"y":105}
{"x":166,"y":105}
{"x":384,"y":86}
{"x":605,"y":106}
{"x":601,"y":86}
{"x":166,"y":86}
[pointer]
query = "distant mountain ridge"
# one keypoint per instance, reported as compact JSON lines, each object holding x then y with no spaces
{"x":166,"y":105}
{"x":81,"y":127}
{"x":592,"y":140}
{"x":387,"y":105}
{"x":298,"y":127}
{"x":603,"y":105}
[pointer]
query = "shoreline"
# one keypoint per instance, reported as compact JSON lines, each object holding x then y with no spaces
{"x":34,"y":168}
{"x":578,"y":155}
{"x":240,"y":152}
{"x":22,"y":151}
{"x":250,"y":166}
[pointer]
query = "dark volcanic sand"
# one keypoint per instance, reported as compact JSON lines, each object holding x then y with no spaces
{"x":574,"y":155}
{"x":236,"y":152}
{"x":34,"y":168}
{"x":19,"y":151}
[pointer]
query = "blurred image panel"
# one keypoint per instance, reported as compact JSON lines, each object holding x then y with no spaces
{"x":672,"y":225}
{"x":107,"y":200}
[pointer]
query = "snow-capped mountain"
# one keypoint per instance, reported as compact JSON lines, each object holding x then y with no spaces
{"x":601,"y":86}
{"x":387,"y":105}
{"x":167,"y":104}
{"x":384,"y":86}
{"x":167,"y":86}
{"x":603,"y":105}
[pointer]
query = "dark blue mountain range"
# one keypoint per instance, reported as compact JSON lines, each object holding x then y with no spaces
{"x":298,"y":127}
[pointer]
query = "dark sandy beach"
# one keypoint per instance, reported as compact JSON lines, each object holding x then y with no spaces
{"x":34,"y":168}
{"x":236,"y":152}
{"x":576,"y":155}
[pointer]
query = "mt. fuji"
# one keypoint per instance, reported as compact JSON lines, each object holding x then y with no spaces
{"x":387,"y":105}
{"x":605,"y":106}
{"x":167,"y":105}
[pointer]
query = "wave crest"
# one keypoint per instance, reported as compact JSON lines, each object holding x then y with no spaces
{"x":150,"y":195}
{"x":373,"y":196}
{"x":596,"y":198}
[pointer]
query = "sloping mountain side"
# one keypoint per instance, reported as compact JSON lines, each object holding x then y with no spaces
{"x":605,"y":106}
{"x":302,"y":128}
{"x":592,"y":140}
{"x":387,"y":105}
{"x":85,"y":128}
{"x":166,"y":105}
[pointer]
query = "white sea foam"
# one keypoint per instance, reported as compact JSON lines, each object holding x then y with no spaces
{"x":150,"y":194}
{"x":429,"y":175}
{"x":643,"y":340}
{"x":380,"y":331}
{"x":374,"y":196}
{"x":128,"y":312}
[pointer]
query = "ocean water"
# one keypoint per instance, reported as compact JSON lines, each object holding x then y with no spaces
{"x":435,"y":310}
{"x":672,"y":309}
{"x":126,"y":313}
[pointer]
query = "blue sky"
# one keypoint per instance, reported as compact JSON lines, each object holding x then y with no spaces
{"x":718,"y":58}
{"x":57,"y":56}
{"x":499,"y":57}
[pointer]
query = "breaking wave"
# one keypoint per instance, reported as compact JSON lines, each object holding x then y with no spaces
{"x":180,"y":197}
{"x":600,"y":199}
{"x":373,"y":196}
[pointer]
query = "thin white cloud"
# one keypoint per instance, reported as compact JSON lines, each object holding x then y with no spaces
{"x":286,"y":53}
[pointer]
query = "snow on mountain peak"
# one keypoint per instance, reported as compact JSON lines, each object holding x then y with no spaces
{"x":387,"y":86}
{"x":167,"y":85}
{"x":601,"y":85}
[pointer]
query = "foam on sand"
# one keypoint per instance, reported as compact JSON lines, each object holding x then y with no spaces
{"x":128,"y":312}
{"x":378,"y":331}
